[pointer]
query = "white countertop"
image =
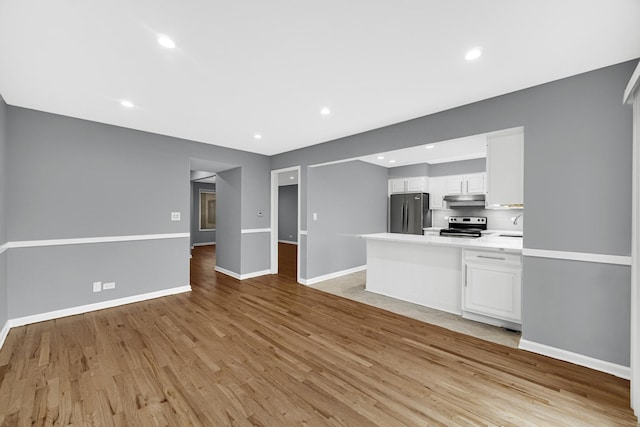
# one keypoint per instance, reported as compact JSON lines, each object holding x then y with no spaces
{"x":490,"y":241}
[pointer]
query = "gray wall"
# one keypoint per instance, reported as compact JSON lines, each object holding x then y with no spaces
{"x":3,"y":232}
{"x":350,"y":199}
{"x":421,"y":169}
{"x":228,"y":204}
{"x":458,"y":168}
{"x":288,"y":213}
{"x":439,"y":169}
{"x":577,"y":159}
{"x":198,"y":236}
{"x":73,"y":178}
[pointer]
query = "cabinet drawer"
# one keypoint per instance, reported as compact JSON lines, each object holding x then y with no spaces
{"x":490,"y":257}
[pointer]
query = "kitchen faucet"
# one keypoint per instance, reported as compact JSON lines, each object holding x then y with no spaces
{"x":515,"y":219}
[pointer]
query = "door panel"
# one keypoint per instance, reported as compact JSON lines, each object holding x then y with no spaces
{"x":414,"y":208}
{"x":396,"y":211}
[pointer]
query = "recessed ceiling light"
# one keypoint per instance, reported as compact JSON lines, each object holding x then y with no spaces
{"x":392,"y":161}
{"x":126,"y":103}
{"x":292,"y":177}
{"x":325,"y":111}
{"x":473,"y":54}
{"x":429,"y":146}
{"x":165,"y":41}
{"x":257,"y":136}
{"x":380,"y":157}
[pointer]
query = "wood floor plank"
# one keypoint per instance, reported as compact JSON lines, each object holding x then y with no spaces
{"x":269,"y":352}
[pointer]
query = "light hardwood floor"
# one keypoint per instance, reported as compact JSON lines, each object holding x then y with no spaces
{"x":269,"y":352}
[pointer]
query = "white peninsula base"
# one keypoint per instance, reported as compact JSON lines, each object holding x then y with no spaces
{"x":422,"y":274}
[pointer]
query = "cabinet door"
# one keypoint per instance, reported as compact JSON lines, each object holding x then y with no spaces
{"x":436,"y":193}
{"x":397,"y":185}
{"x":416,"y":185}
{"x":454,"y":184}
{"x":493,"y":290}
{"x":474,"y":184}
{"x":505,"y":169}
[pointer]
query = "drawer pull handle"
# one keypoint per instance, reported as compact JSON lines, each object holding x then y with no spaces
{"x":492,"y":257}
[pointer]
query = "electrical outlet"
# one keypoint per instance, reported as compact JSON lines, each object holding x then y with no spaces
{"x":175,"y":216}
{"x":97,"y":286}
{"x":315,"y":216}
{"x":291,"y":236}
{"x":109,"y":285}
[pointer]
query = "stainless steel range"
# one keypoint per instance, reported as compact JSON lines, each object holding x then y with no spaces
{"x":465,"y":226}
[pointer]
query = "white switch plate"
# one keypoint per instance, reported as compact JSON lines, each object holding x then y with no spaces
{"x":315,"y":216}
{"x":109,"y":285}
{"x":175,"y":216}
{"x":97,"y":286}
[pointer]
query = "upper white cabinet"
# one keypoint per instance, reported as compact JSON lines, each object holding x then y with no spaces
{"x":505,"y":169}
{"x":409,"y":185}
{"x":437,"y":192}
{"x":465,"y":184}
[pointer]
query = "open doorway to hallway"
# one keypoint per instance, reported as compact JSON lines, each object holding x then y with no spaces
{"x":285,"y":217}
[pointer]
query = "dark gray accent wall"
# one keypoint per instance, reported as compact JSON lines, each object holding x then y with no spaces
{"x":458,"y":168}
{"x":288,"y":213}
{"x":197,"y":236}
{"x":409,"y":171}
{"x":3,"y":231}
{"x":577,"y":164}
{"x":228,"y":204}
{"x":350,"y":199}
{"x":73,"y":178}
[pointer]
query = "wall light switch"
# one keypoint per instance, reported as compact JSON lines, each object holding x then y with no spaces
{"x":109,"y":285}
{"x":175,"y":216}
{"x":97,"y":286}
{"x":315,"y":216}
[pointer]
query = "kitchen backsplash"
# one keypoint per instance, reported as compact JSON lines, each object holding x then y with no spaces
{"x":496,"y":219}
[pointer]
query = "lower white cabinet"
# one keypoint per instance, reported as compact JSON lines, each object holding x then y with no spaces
{"x":492,"y":285}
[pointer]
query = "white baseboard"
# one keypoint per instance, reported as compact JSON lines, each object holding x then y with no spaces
{"x":577,"y":359}
{"x":254,"y":274}
{"x":289,"y":242}
{"x":4,"y":332}
{"x":96,"y":306}
{"x":242,"y":276}
{"x":227,"y":272}
{"x":203,"y":244}
{"x":322,"y":278}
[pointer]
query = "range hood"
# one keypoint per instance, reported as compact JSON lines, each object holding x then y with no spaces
{"x":465,"y":200}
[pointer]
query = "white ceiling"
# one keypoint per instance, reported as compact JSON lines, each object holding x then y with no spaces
{"x":472,"y":147}
{"x":268,"y":67}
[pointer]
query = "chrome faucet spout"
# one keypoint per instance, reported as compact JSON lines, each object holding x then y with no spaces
{"x":516,"y":218}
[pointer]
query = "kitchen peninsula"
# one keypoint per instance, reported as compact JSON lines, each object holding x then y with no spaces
{"x":479,"y":279}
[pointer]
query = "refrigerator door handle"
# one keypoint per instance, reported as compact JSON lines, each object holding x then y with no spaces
{"x":404,"y":217}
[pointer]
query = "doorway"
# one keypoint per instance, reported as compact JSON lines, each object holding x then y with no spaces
{"x":285,"y":222}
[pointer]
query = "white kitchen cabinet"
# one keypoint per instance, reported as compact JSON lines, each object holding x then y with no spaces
{"x":409,"y":185}
{"x":474,"y":184}
{"x":465,"y":184}
{"x":505,"y":169}
{"x":396,"y":185}
{"x":454,"y":184}
{"x":492,"y":285}
{"x":417,"y":185}
{"x":436,"y":192}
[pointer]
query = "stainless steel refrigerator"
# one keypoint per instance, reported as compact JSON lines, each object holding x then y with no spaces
{"x":409,"y":213}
